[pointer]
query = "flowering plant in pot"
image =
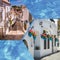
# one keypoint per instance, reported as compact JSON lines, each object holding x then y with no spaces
{"x":44,"y":35}
{"x":49,"y":37}
{"x":34,"y":35}
{"x":30,"y":32}
{"x":56,"y":39}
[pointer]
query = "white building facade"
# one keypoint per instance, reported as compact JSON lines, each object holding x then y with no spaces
{"x":37,"y":45}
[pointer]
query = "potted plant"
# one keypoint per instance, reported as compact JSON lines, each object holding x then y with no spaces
{"x":30,"y":32}
{"x":44,"y":35}
{"x":56,"y":39}
{"x":34,"y":35}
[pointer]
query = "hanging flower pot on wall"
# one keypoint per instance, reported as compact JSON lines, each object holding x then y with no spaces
{"x":34,"y":35}
{"x":43,"y":36}
{"x":50,"y":38}
{"x":56,"y":39}
{"x":30,"y":32}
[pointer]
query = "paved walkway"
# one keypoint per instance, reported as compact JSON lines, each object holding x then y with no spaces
{"x":55,"y":56}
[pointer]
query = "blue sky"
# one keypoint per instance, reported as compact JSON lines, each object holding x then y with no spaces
{"x":16,"y":2}
{"x":41,"y":8}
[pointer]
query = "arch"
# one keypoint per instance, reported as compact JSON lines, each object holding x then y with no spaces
{"x":25,"y":42}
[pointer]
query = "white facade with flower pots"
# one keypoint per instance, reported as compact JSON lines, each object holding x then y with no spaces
{"x":37,"y":45}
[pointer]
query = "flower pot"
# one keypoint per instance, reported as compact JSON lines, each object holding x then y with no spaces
{"x":29,"y":34}
{"x":44,"y":38}
{"x":34,"y":37}
{"x":50,"y":38}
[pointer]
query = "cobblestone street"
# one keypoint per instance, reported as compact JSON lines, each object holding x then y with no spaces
{"x":55,"y":56}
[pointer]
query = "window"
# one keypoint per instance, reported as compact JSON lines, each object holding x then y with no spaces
{"x":44,"y":44}
{"x":48,"y":44}
{"x":37,"y":48}
{"x":55,"y":41}
{"x":58,"y":44}
{"x":41,"y":24}
{"x":0,"y":16}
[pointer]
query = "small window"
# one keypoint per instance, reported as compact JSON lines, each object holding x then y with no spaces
{"x":58,"y":44}
{"x":55,"y":41}
{"x":50,"y":26}
{"x":37,"y":48}
{"x":40,"y":23}
{"x":0,"y":16}
{"x":48,"y":44}
{"x":41,"y":26}
{"x":44,"y":44}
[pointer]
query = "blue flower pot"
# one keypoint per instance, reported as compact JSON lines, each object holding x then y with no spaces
{"x":44,"y":38}
{"x":50,"y":39}
{"x":34,"y":37}
{"x":29,"y":34}
{"x":56,"y":39}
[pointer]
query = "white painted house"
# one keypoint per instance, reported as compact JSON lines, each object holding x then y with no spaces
{"x":39,"y":46}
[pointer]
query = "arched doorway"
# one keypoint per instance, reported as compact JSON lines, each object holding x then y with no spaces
{"x":25,"y":42}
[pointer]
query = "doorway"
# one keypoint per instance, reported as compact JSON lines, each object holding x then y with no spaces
{"x":25,"y":42}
